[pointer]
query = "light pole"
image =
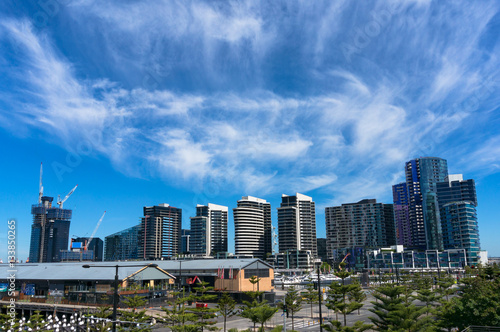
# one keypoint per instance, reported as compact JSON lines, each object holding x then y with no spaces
{"x":319,"y":300}
{"x":115,"y":294}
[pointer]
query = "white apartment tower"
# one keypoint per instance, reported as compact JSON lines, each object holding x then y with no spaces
{"x":297,"y":224}
{"x":209,"y":230}
{"x":252,"y":227}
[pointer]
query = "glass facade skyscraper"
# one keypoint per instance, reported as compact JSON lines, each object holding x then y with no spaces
{"x":422,"y":175}
{"x":123,"y":245}
{"x":457,"y":201}
{"x":401,"y":214}
{"x":435,"y":210}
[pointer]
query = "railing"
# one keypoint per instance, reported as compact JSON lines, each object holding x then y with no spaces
{"x":474,"y":328}
{"x":80,"y":289}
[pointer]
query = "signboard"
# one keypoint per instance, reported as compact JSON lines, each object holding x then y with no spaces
{"x":28,"y":289}
{"x":77,"y":245}
{"x":56,"y":292}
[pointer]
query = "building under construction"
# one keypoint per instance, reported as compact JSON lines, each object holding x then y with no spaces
{"x":50,"y":228}
{"x":84,"y":249}
{"x":49,"y":232}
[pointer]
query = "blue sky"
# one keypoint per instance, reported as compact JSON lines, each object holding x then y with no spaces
{"x":191,"y":102}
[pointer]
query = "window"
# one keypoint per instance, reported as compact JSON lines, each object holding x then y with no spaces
{"x":260,"y":273}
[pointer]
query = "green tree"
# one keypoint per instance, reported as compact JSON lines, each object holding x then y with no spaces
{"x":427,"y":296}
{"x":293,"y":302}
{"x":176,"y":317}
{"x":226,"y":307}
{"x":396,"y":312}
{"x":248,"y":310}
{"x":444,"y":287}
{"x":135,"y":302}
{"x":206,"y":315}
{"x":479,"y":303}
{"x":335,"y":325}
{"x":250,"y":313}
{"x":357,"y":295}
{"x":342,"y":297}
{"x":102,"y":316}
{"x":254,"y":280}
{"x":6,"y":320}
{"x":325,"y":267}
{"x":35,"y":321}
{"x":140,"y":321}
{"x":311,"y":296}
{"x":263,"y":314}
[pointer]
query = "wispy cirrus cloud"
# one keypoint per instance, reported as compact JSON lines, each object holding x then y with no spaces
{"x":249,"y":94}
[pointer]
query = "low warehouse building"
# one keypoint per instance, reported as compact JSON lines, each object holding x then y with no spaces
{"x":72,"y":282}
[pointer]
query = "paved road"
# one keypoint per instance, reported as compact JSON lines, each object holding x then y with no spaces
{"x":302,"y":319}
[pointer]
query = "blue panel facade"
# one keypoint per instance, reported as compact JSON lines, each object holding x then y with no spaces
{"x":422,"y":175}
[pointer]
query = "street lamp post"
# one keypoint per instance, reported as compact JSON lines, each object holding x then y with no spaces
{"x":116,"y":299}
{"x":115,"y":293}
{"x":319,"y":301}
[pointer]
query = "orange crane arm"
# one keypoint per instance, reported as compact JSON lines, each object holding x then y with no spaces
{"x":340,"y":267}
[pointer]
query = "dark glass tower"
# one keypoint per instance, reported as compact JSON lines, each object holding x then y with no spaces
{"x":185,"y":241}
{"x":123,"y":245}
{"x":422,"y":175}
{"x":457,"y":202}
{"x":401,"y":214}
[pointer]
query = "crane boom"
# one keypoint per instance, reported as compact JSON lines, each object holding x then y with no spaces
{"x":340,"y":267}
{"x":60,"y":203}
{"x":40,"y":187}
{"x":95,"y":230}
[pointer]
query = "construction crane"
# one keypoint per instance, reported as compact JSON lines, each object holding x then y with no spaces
{"x":40,"y":188}
{"x":340,"y":267}
{"x":60,"y":202}
{"x":95,"y":230}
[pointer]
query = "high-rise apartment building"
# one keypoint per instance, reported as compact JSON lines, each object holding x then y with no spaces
{"x":209,"y":230}
{"x":49,"y":231}
{"x":297,"y":224}
{"x":456,"y":189}
{"x":401,"y":214}
{"x":160,"y":233}
{"x":322,"y":252}
{"x":422,"y":175}
{"x":123,"y":245}
{"x":457,"y":202}
{"x":252,"y":227}
{"x":365,"y":224}
{"x":185,"y":241}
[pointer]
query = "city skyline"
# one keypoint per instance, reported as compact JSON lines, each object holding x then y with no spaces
{"x":193,"y":103}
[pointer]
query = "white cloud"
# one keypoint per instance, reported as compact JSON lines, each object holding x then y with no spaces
{"x":320,"y":123}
